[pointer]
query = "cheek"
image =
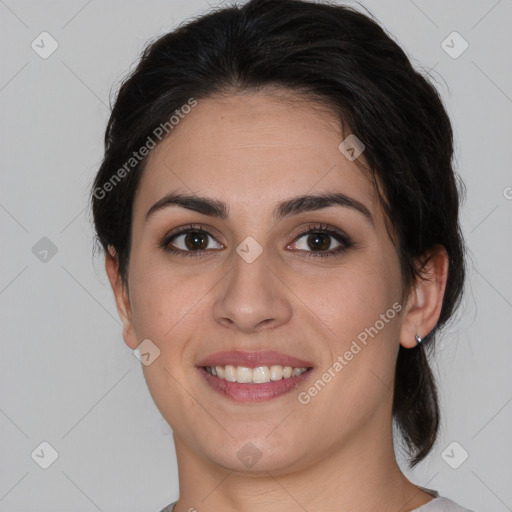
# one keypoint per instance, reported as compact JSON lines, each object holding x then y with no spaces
{"x":361,"y":309}
{"x":352,"y":299}
{"x":360,"y":305}
{"x":168,"y":309}
{"x":167,"y":304}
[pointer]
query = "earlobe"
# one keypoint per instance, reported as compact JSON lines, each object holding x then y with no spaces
{"x":426,"y":299}
{"x":121,"y":297}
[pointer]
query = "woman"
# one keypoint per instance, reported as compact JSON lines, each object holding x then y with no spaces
{"x":280,"y":219}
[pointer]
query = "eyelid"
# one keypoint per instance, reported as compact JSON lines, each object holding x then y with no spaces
{"x":321,"y":228}
{"x":342,"y":238}
{"x":184,"y":229}
{"x":339,"y":235}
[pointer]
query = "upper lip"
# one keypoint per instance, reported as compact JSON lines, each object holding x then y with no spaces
{"x":253,"y":359}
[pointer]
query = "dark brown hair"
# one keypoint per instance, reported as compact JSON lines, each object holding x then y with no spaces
{"x":343,"y":58}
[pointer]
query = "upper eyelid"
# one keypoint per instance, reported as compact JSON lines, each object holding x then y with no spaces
{"x":189,"y":227}
{"x":310,"y":228}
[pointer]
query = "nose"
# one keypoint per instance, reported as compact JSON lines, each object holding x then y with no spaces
{"x":251,"y":297}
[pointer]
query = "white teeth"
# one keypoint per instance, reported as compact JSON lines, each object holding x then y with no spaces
{"x":230,"y":373}
{"x":276,"y":372}
{"x":243,"y":374}
{"x":261,"y":374}
{"x":258,"y":375}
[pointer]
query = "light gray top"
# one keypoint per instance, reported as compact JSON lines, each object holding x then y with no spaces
{"x":438,"y":504}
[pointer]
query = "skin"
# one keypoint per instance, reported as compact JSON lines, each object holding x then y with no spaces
{"x":252,"y":151}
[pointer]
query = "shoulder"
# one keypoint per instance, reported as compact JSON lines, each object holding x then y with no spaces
{"x":438,"y":504}
{"x":441,"y":504}
{"x":169,"y":507}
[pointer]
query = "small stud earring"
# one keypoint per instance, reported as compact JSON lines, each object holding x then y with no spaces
{"x":418,"y":339}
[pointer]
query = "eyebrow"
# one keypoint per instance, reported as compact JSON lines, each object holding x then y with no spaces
{"x":293,"y":206}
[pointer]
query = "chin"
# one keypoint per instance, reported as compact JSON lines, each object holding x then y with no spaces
{"x":255,"y":452}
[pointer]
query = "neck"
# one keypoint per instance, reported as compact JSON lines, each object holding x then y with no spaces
{"x":362,"y":475}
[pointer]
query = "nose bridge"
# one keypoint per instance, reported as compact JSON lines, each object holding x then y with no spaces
{"x":249,"y":276}
{"x":251,"y":297}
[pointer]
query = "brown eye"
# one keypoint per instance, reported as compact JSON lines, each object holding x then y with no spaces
{"x":190,"y":240}
{"x":319,"y":241}
{"x":196,"y":240}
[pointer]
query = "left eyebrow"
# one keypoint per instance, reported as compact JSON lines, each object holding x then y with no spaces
{"x":308,"y":203}
{"x":293,"y":206}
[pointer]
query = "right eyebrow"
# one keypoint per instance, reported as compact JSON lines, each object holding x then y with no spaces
{"x":203,"y":205}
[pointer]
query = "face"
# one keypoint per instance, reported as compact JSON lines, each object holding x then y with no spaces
{"x":260,"y":282}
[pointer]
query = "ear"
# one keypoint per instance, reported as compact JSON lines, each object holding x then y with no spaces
{"x":426,"y":298}
{"x":121,"y":296}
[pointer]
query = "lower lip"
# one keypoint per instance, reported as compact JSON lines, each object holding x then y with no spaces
{"x":253,"y":392}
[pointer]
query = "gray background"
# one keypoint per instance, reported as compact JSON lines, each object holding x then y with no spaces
{"x":66,"y":376}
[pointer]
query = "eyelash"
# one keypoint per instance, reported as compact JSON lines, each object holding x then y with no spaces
{"x":342,"y":238}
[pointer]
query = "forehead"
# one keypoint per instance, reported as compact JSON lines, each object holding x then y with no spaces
{"x":253,"y":150}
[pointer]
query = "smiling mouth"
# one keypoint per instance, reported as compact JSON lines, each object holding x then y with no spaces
{"x":253,"y":376}
{"x":254,"y":384}
{"x":257,"y":375}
